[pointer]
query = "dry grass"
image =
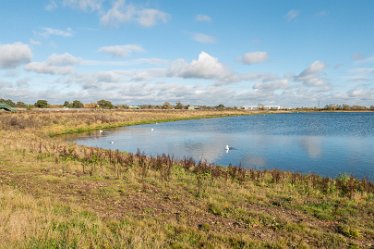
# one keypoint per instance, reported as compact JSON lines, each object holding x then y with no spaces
{"x":57,"y":195}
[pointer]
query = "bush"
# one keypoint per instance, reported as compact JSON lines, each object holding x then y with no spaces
{"x":179,"y":105}
{"x":105,"y":104}
{"x":41,"y":104}
{"x":77,"y":104}
{"x":166,"y":105}
{"x":21,"y":104}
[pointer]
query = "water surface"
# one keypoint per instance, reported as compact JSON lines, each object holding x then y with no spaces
{"x":324,"y":143}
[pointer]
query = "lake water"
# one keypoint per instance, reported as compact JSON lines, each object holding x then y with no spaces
{"x":324,"y":143}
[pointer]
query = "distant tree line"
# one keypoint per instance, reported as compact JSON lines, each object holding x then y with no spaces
{"x":106,"y":104}
{"x":9,"y":102}
{"x":345,"y":107}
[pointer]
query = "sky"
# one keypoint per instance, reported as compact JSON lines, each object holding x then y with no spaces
{"x":238,"y":53}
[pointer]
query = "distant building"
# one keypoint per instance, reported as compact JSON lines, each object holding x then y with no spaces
{"x":262,"y":107}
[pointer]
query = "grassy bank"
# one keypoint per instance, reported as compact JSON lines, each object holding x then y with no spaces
{"x":58,"y":195}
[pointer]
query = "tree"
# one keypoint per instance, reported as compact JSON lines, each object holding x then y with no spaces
{"x":260,"y":107}
{"x":220,"y":107}
{"x":41,"y":103}
{"x":166,"y":105}
{"x":105,"y":104}
{"x":20,"y":104}
{"x":178,"y":105}
{"x":77,"y":104}
{"x":67,"y":104}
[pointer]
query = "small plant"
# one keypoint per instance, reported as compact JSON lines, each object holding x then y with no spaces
{"x":202,"y":183}
{"x":348,"y":231}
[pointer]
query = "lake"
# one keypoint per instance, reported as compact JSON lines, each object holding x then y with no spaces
{"x":324,"y":143}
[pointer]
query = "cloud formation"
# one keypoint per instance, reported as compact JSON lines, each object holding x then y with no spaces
{"x":56,"y":64}
{"x":85,"y":5}
{"x":203,"y":18}
{"x":121,"y":13}
{"x":46,"y":32}
{"x":254,"y":57}
{"x":121,"y":50}
{"x":311,"y":76}
{"x":271,"y":84}
{"x":362,"y":93}
{"x":205,"y":67}
{"x":203,"y":38}
{"x":14,"y":54}
{"x":51,"y":6}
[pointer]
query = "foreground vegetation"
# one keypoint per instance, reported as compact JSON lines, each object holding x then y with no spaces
{"x":59,"y":195}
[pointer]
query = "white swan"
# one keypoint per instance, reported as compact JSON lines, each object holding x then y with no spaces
{"x":227,"y":147}
{"x":101,"y":131}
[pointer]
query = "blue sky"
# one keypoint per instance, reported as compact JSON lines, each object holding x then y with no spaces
{"x":289,"y":53}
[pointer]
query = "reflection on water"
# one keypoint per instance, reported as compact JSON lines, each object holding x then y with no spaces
{"x":312,"y":146}
{"x":324,"y":143}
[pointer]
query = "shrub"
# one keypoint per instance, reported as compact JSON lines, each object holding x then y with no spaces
{"x":41,"y":104}
{"x":105,"y":104}
{"x":77,"y":104}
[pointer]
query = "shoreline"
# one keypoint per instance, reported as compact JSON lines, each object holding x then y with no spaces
{"x":126,"y":124}
{"x":72,"y":133}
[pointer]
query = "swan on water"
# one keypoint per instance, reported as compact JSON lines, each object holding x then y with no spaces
{"x":101,"y":131}
{"x":152,"y":129}
{"x":227,"y":147}
{"x":112,"y":142}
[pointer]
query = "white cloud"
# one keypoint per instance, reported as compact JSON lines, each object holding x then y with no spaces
{"x":203,"y":38}
{"x":124,"y":13}
{"x":46,"y":32}
{"x":362,"y":93}
{"x":34,"y":42}
{"x":361,"y":74}
{"x":121,"y":50}
{"x":292,"y":15}
{"x":117,"y":63}
{"x":85,"y":5}
{"x":51,"y":6}
{"x":14,"y":54}
{"x":65,"y":59}
{"x":311,"y":76}
{"x":44,"y":68}
{"x":254,"y":57}
{"x":314,"y":68}
{"x":271,"y":84}
{"x":203,"y":18}
{"x":149,"y":17}
{"x":55,"y":64}
{"x":205,"y":67}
